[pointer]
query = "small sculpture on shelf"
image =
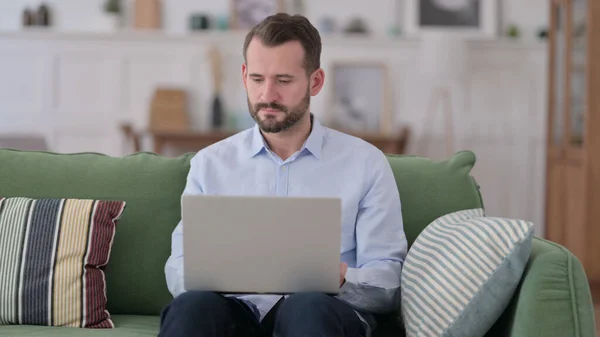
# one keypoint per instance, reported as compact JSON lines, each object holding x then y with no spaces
{"x":37,"y":18}
{"x":356,"y":26}
{"x":43,"y":17}
{"x":28,"y":18}
{"x":217,"y":113}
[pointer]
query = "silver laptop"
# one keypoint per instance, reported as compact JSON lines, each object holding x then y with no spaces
{"x":264,"y":245}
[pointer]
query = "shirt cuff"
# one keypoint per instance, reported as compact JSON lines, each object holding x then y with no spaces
{"x":350,"y":281}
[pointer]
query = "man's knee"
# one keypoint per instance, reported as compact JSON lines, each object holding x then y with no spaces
{"x":198,"y":301}
{"x":192,"y":313}
{"x":315,"y":308}
{"x":311,"y":300}
{"x":316,"y":314}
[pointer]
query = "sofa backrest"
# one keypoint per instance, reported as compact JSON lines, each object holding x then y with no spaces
{"x":429,"y":189}
{"x":152,"y":186}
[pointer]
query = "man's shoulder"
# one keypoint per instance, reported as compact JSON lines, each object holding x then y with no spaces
{"x":357,"y":147}
{"x":226,"y":147}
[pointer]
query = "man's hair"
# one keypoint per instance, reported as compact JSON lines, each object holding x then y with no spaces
{"x":280,"y":28}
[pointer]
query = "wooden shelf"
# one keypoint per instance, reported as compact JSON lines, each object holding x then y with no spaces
{"x":196,"y":140}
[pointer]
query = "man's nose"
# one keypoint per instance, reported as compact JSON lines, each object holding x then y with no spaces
{"x":269,"y":93}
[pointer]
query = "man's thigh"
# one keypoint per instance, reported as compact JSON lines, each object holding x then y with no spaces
{"x":208,"y":314}
{"x":316,"y":314}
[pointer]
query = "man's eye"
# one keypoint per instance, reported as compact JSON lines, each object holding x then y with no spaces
{"x":284,"y":82}
{"x":257,"y":80}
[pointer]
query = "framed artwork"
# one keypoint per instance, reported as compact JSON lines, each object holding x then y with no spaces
{"x":245,"y":14}
{"x":471,"y":18}
{"x":360,"y":98}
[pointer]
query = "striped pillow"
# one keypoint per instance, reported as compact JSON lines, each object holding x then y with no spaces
{"x":461,"y":272}
{"x":52,"y":252}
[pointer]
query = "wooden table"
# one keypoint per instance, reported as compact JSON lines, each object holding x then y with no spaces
{"x":196,"y":140}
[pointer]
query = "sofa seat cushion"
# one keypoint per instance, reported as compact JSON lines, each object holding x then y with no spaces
{"x":125,"y":326}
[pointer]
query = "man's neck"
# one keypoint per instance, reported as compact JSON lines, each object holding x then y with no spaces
{"x":286,"y":143}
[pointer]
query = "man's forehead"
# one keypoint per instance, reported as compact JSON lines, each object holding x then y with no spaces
{"x":292,"y":50}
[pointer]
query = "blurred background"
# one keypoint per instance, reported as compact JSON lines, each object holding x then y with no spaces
{"x":506,"y":79}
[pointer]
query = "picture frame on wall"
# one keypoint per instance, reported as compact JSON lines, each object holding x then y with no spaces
{"x":245,"y":14}
{"x":360,"y":98}
{"x":468,"y":18}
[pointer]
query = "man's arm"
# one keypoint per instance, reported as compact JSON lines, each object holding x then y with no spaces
{"x":174,"y":265}
{"x":381,"y":246}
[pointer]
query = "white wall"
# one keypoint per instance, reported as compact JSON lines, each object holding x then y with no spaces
{"x":76,"y":88}
{"x":80,"y":15}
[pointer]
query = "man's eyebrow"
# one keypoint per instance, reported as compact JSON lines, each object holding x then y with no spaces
{"x":278,"y":75}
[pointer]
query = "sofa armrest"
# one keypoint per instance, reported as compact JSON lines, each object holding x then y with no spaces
{"x":553,"y":298}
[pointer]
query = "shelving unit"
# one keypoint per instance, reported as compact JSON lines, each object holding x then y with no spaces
{"x":573,"y":143}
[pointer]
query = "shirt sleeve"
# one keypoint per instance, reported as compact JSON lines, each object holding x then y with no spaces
{"x":174,"y":264}
{"x":374,"y":284}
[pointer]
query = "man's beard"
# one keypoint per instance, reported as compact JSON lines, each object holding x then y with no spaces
{"x":292,"y":115}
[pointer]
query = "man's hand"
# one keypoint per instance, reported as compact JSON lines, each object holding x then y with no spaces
{"x":343,"y":270}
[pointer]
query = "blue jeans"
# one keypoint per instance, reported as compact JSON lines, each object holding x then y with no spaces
{"x":207,"y":314}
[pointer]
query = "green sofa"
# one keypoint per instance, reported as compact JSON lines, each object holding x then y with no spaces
{"x":553,"y":298}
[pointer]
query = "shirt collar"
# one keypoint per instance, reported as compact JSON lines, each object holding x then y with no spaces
{"x":314,"y":142}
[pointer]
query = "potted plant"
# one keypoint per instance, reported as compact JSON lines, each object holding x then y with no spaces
{"x":112,"y":14}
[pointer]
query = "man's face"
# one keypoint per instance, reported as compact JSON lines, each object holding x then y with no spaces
{"x":277,"y":86}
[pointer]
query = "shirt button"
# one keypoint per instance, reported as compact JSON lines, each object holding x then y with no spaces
{"x":283,"y":168}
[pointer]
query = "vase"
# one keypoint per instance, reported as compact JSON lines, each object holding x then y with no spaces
{"x":108,"y":22}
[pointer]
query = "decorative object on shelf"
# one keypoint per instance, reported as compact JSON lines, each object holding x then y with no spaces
{"x":473,"y":18}
{"x":147,"y":14}
{"x":43,"y":16}
{"x":28,"y":18}
{"x":513,"y":31}
{"x":360,"y":99}
{"x":327,"y":25}
{"x":298,"y":7}
{"x":245,"y":14}
{"x":445,"y":74}
{"x":111,"y":20}
{"x":217,"y":111}
{"x":356,"y":26}
{"x":222,"y":22}
{"x":395,"y":30}
{"x":199,"y":22}
{"x":542,"y":33}
{"x":168,"y":110}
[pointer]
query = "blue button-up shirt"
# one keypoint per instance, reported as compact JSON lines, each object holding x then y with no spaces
{"x":330,"y":163}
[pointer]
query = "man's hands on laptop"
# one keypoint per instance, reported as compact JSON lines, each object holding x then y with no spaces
{"x":343,"y":270}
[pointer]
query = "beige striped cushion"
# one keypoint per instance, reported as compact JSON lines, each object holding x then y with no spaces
{"x":52,"y":255}
{"x":461,"y":272}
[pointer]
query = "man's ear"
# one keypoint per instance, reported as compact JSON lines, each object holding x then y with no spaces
{"x":317,"y":80}
{"x":244,"y":73}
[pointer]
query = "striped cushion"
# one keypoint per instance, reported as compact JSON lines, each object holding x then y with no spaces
{"x":461,"y":272}
{"x":52,"y":252}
